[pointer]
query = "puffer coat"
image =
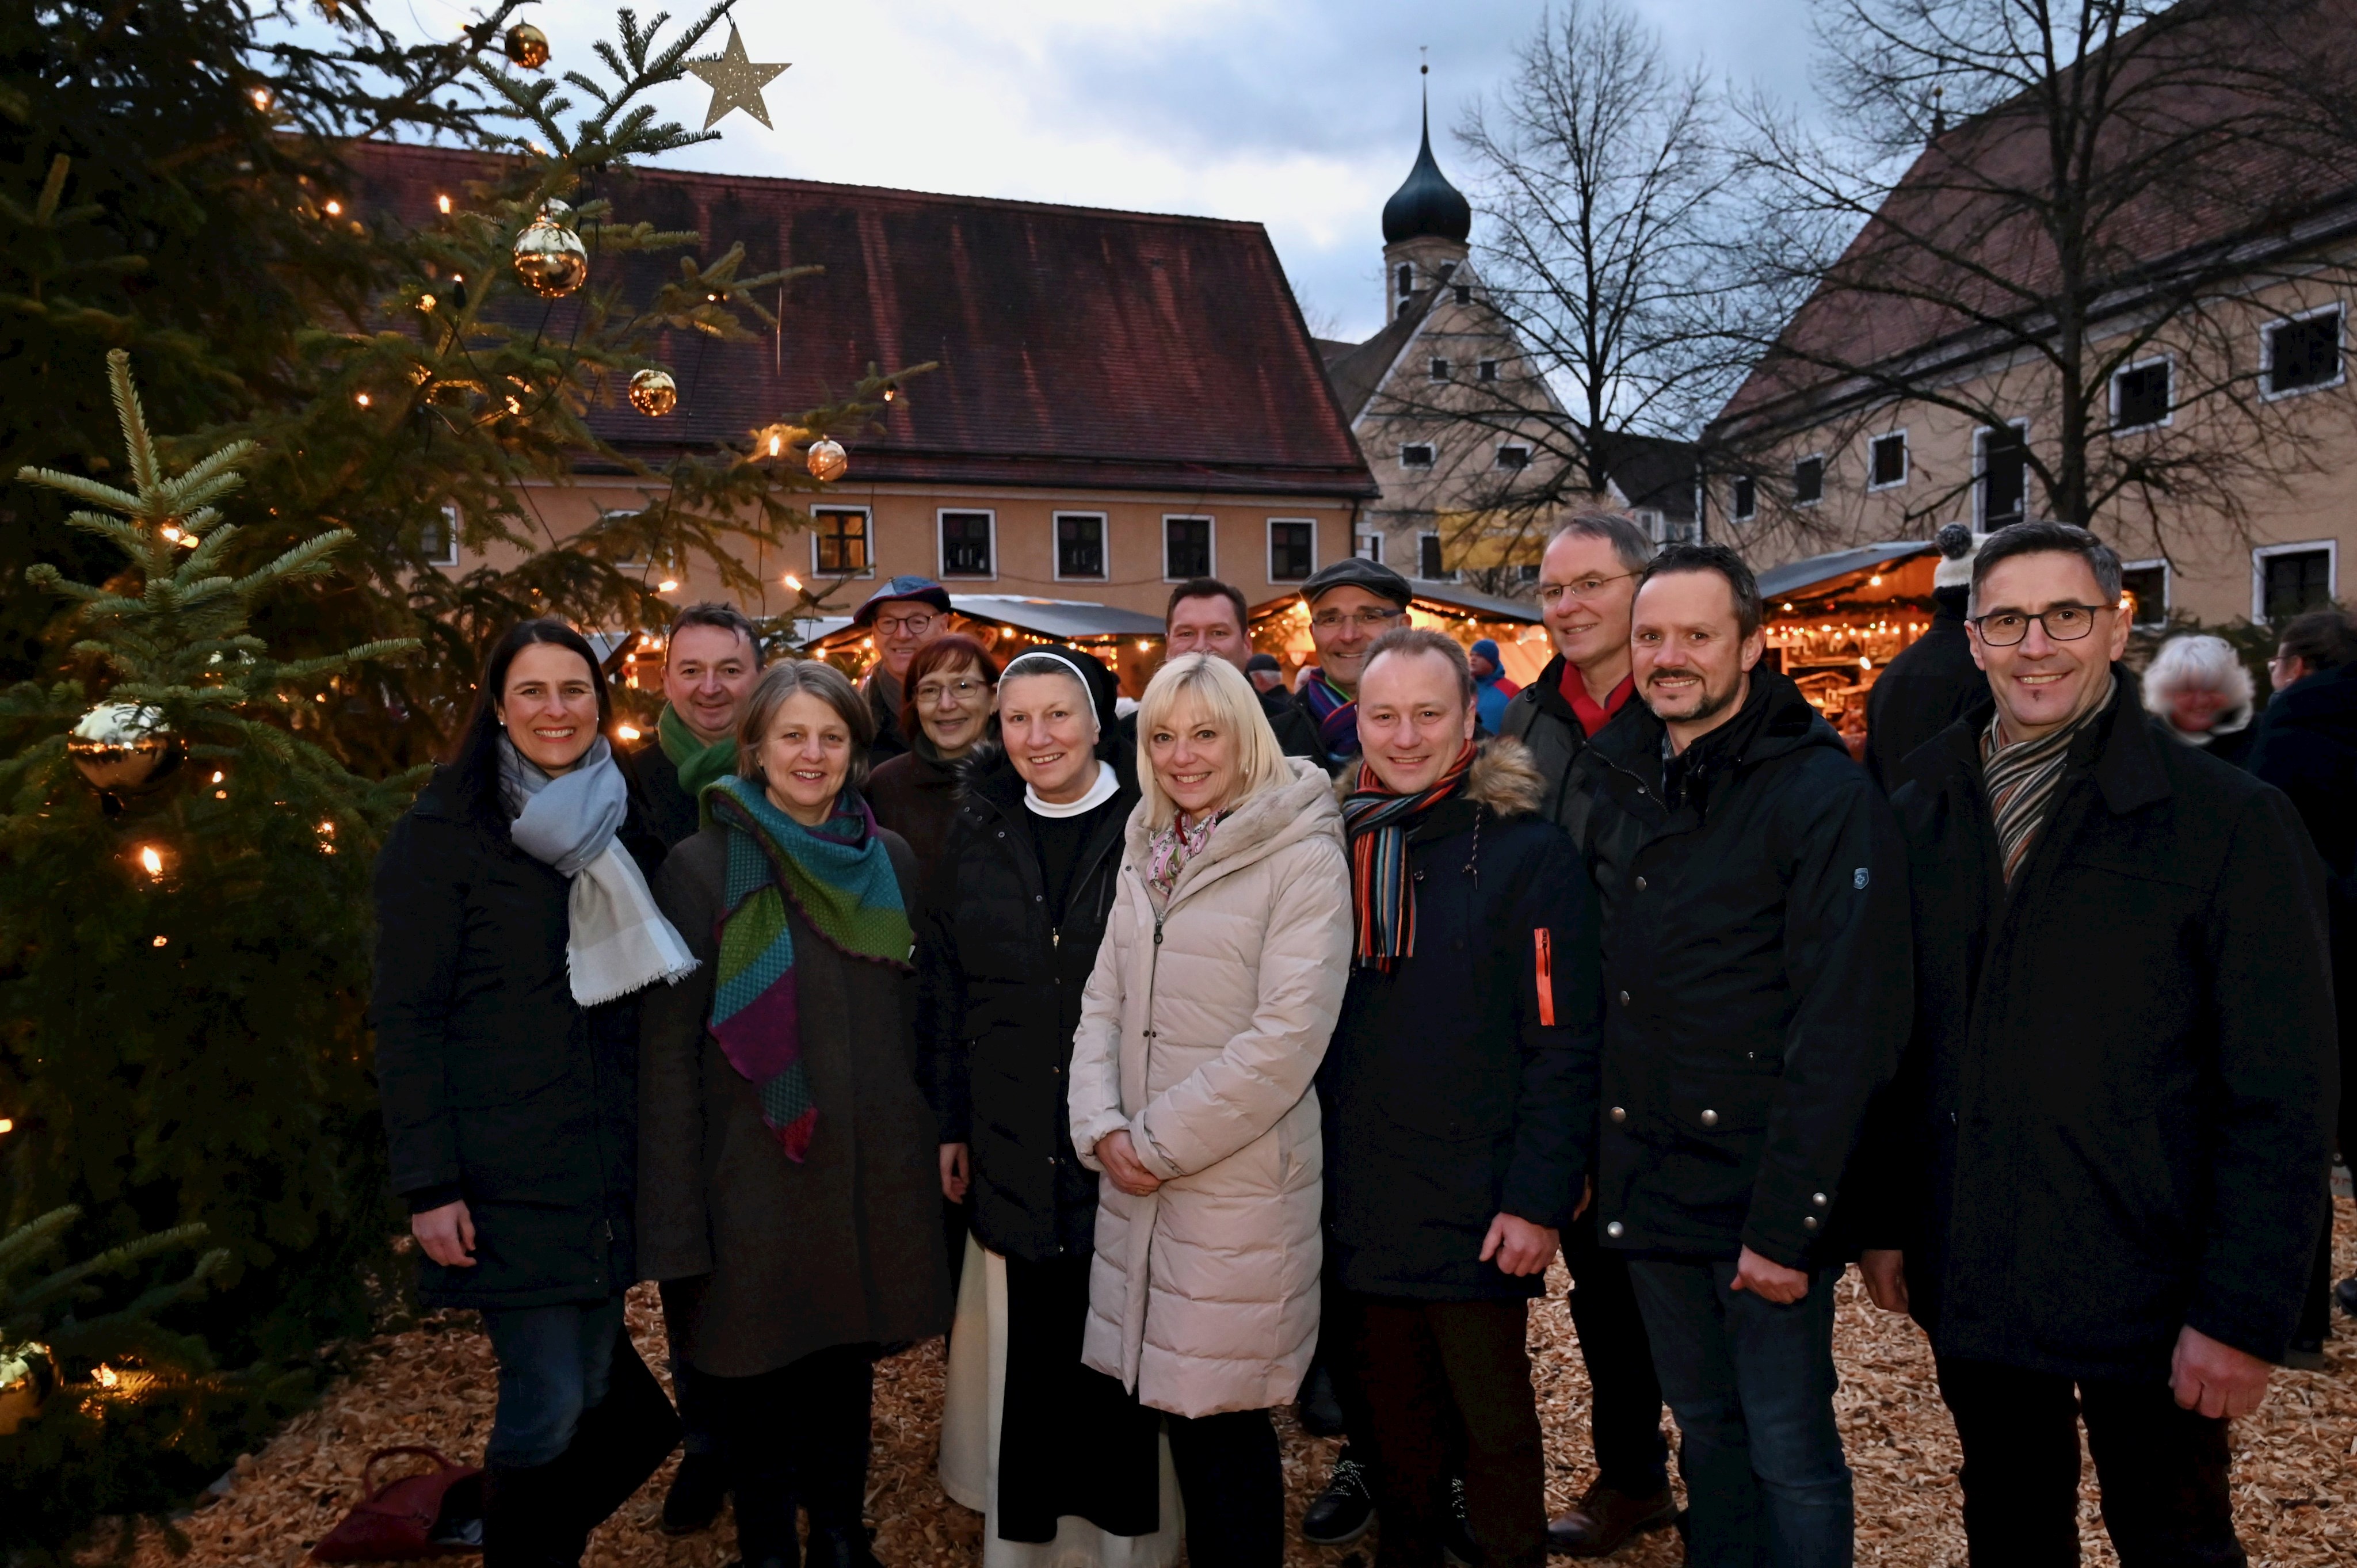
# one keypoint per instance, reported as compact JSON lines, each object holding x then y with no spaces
{"x":1203,"y":1027}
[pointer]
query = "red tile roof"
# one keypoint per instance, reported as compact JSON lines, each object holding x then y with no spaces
{"x":1078,"y":347}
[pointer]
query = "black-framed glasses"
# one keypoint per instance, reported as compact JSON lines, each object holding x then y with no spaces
{"x":1331,"y":620}
{"x":911,"y":626}
{"x":2063,"y":623}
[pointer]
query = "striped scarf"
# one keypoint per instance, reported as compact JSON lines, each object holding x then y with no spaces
{"x":1380,"y":890}
{"x":2022,"y":779}
{"x":841,"y":881}
{"x":1336,"y":713}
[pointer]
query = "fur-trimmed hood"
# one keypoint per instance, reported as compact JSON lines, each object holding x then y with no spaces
{"x":1504,"y":776}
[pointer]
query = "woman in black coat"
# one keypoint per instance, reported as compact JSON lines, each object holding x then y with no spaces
{"x":1014,"y":913}
{"x":506,"y":1056}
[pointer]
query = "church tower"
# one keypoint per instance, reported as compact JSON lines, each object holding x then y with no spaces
{"x":1426,"y":225}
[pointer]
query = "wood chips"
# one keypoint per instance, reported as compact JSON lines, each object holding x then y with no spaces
{"x":2294,"y":1468}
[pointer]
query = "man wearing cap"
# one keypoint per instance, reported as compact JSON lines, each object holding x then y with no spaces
{"x":1492,"y":690}
{"x":1351,"y":602}
{"x":1266,"y":674}
{"x":1207,"y":615}
{"x":904,"y":614}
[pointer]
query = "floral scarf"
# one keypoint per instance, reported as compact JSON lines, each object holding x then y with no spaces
{"x":1172,"y":846}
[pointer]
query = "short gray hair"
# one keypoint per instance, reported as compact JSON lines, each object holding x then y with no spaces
{"x":1632,"y":545}
{"x":2048,"y":539}
{"x":789,"y":679}
{"x":722,"y":617}
{"x":2200,"y":661}
{"x":1424,"y":639}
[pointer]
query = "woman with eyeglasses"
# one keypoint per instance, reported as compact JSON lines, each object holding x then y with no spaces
{"x":945,"y":716}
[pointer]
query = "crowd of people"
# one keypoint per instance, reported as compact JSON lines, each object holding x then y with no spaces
{"x":1267,"y":1044}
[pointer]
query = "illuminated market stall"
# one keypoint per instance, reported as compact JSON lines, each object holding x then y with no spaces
{"x":1126,"y":642}
{"x":1280,"y":627}
{"x":1835,"y":621}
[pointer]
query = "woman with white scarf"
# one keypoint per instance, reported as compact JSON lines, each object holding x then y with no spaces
{"x":514,"y":930}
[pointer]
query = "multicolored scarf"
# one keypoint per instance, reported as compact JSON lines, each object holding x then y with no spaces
{"x":1172,"y":846}
{"x":1382,"y":893}
{"x":696,"y":763}
{"x":2022,"y":778}
{"x":840,"y":880}
{"x":1336,"y":713}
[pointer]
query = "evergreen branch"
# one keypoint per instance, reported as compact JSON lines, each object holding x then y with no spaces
{"x":36,"y":1235}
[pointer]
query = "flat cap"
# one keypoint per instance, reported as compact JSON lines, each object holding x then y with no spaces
{"x":1356,"y":572}
{"x":923,"y":590}
{"x":1262,"y":661}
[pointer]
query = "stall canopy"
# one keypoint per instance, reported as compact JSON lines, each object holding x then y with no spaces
{"x":1127,"y":642}
{"x":1823,"y":573}
{"x":1280,"y":627}
{"x":1833,"y":621}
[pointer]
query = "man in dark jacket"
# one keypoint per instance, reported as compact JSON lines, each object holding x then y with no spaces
{"x":1351,"y":602}
{"x":904,"y":614}
{"x":2307,"y":748}
{"x":1756,"y":998}
{"x":1587,"y":580}
{"x":1933,"y":680}
{"x":1207,"y":615}
{"x":1459,"y":1097}
{"x":2098,"y":1182}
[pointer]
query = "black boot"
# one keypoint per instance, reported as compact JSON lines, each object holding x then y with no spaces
{"x":1342,"y":1512}
{"x":621,"y":1442}
{"x":531,"y":1517}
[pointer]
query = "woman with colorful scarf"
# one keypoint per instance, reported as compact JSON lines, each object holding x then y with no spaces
{"x":1215,"y":989}
{"x":789,"y":1181}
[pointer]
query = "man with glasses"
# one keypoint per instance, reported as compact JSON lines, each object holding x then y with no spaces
{"x":904,"y":614}
{"x":1587,"y":580}
{"x":2098,"y":1180}
{"x":1352,"y":603}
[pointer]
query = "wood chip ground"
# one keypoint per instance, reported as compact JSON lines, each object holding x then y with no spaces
{"x":2295,"y":1464}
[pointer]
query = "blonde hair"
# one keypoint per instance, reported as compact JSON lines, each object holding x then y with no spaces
{"x":1208,"y":682}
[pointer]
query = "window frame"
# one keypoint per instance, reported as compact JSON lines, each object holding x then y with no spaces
{"x":2262,"y":554}
{"x":1497,"y":457}
{"x":1444,"y":575}
{"x":1906,"y":461}
{"x":1055,"y":546}
{"x":2168,"y":362}
{"x":942,"y":516}
{"x":1210,"y":545}
{"x":1798,"y":464}
{"x":448,"y":555}
{"x":867,"y":514}
{"x":1268,"y":546}
{"x":1464,"y":295}
{"x":1441,"y":369}
{"x":1739,"y":507}
{"x":1432,"y":459}
{"x":1368,"y":546}
{"x":2167,"y":588}
{"x":1980,"y":474}
{"x":2268,"y":390}
{"x":1485,"y":371}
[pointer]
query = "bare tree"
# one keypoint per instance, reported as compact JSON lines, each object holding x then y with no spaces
{"x":2011,"y":203}
{"x":1603,"y":186}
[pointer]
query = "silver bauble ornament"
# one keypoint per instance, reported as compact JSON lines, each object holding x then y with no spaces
{"x":121,"y":748}
{"x":25,"y":1379}
{"x":527,"y":46}
{"x":654,"y":393}
{"x":828,"y":459}
{"x":557,"y":212}
{"x":549,"y":259}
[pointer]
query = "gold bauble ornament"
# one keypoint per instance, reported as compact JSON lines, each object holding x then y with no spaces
{"x":828,"y":459}
{"x":549,"y":259}
{"x":527,"y":46}
{"x":120,"y":747}
{"x":654,"y":393}
{"x":25,"y":1379}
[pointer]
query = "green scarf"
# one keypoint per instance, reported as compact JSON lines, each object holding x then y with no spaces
{"x":696,"y":763}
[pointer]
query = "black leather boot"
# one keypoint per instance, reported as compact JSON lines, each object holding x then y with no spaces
{"x":621,"y":1442}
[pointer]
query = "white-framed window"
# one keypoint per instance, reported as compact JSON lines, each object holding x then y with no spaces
{"x":1512,"y":454}
{"x":1486,"y":370}
{"x":1292,"y":548}
{"x":969,"y":541}
{"x":1429,"y":564}
{"x":1886,"y":461}
{"x":2289,"y":578}
{"x":1465,"y":294}
{"x":1743,"y":499}
{"x":1415,"y":455}
{"x":2146,"y":583}
{"x":2301,"y":353}
{"x":1368,"y":547}
{"x":1081,"y":553}
{"x":1439,"y":369}
{"x":1187,"y":549}
{"x":1809,"y":479}
{"x":439,"y":541}
{"x":2001,"y":462}
{"x":841,"y":544}
{"x":2144,"y":395}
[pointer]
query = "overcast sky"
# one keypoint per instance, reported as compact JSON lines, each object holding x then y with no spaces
{"x":1300,"y":115}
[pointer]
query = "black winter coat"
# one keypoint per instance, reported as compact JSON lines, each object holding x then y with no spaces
{"x":655,"y":796}
{"x":1463,"y":1083}
{"x":497,"y":1088}
{"x":1755,"y":979}
{"x":1000,"y":992}
{"x":1539,"y":717}
{"x":1922,"y":690}
{"x":2114,"y":1119}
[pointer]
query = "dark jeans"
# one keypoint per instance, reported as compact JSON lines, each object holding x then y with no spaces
{"x":553,"y":1364}
{"x":1232,"y":1485}
{"x":687,"y":1384}
{"x":1751,"y":1384}
{"x":2162,"y":1470}
{"x":1625,"y":1402}
{"x":798,"y":1432}
{"x":1430,"y":1365}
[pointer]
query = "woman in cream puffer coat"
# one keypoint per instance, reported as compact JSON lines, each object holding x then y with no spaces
{"x":1203,"y":1027}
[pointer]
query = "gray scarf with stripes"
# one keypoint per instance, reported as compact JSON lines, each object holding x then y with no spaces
{"x":2023,"y":778}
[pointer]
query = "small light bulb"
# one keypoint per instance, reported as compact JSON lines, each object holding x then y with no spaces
{"x":442,"y":202}
{"x":7,"y":1124}
{"x":335,"y":210}
{"x":793,"y":582}
{"x":1874,"y":581}
{"x":458,"y":278}
{"x":425,"y":302}
{"x":217,"y":777}
{"x":363,"y":400}
{"x":777,"y":445}
{"x":668,"y":585}
{"x":628,"y":732}
{"x":150,"y":860}
{"x":161,"y":940}
{"x":172,"y":531}
{"x":1144,"y":646}
{"x":260,"y":96}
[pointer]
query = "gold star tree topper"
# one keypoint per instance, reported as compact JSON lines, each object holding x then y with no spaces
{"x":736,"y":81}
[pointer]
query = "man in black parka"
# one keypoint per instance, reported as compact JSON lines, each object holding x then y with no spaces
{"x":1458,"y":1093}
{"x":1756,"y":998}
{"x":2097,"y":1183}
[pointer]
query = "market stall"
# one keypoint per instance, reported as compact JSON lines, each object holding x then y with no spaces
{"x":1835,"y":621}
{"x":1127,"y":642}
{"x":1280,"y":627}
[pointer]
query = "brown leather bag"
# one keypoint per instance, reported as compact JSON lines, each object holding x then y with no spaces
{"x":405,"y":1517}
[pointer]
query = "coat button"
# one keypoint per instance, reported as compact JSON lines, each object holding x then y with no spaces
{"x":1810,"y":1223}
{"x":1616,"y":1229}
{"x":1710,"y":1118}
{"x":1624,"y":999}
{"x":1818,"y":1198}
{"x":1039,"y":899}
{"x":1641,"y":885}
{"x":1620,"y":1114}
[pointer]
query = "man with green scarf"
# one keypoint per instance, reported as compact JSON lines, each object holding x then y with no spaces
{"x":710,"y":661}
